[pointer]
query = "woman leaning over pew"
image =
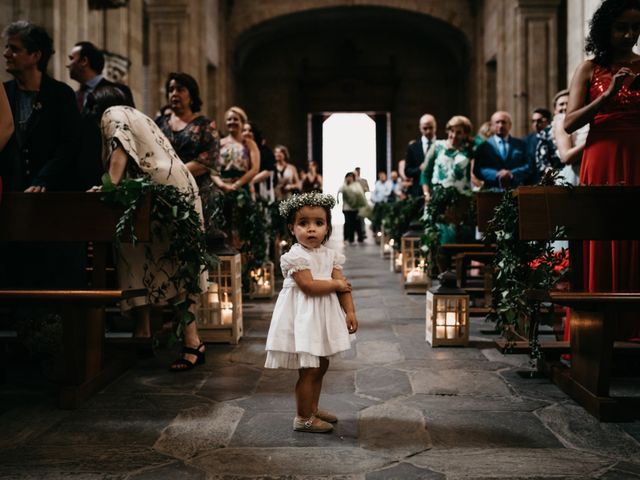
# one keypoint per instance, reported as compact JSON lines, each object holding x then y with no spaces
{"x":133,"y":145}
{"x":605,"y":92}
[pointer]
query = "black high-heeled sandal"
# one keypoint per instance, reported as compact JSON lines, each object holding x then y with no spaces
{"x":184,"y":365}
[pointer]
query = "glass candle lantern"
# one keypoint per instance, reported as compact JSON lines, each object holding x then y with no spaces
{"x":395,"y":262}
{"x":447,"y":315}
{"x":262,"y":284}
{"x":220,"y":318}
{"x":414,"y":266}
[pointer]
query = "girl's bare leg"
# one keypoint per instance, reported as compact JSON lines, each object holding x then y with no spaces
{"x":306,"y":386}
{"x":317,"y":386}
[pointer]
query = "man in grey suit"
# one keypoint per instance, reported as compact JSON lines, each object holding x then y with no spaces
{"x":502,"y":160}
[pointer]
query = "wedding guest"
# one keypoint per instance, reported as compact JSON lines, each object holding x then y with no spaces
{"x":605,"y":92}
{"x":287,"y":179}
{"x":134,"y":145}
{"x":311,"y":180}
{"x":570,"y":146}
{"x":264,"y":178}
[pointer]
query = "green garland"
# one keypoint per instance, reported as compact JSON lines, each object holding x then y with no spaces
{"x":520,"y":266}
{"x":173,"y":218}
{"x":400,"y":216}
{"x":239,"y":211}
{"x":436,"y":218}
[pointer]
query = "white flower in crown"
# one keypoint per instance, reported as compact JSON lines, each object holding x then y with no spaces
{"x":297,"y":201}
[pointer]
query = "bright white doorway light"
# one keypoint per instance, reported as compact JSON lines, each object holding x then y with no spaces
{"x":348,"y":141}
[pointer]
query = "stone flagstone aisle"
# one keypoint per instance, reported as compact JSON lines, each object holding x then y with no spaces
{"x":407,"y":411}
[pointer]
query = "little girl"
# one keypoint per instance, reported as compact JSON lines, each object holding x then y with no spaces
{"x":314,"y":314}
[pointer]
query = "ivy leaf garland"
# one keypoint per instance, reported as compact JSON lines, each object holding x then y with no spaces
{"x":448,"y":209}
{"x":520,"y":266}
{"x":400,"y":215}
{"x":174,"y":219}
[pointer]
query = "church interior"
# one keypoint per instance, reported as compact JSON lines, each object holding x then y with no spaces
{"x":437,"y":196}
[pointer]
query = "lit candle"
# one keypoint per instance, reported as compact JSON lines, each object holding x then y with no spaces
{"x":451,"y":324}
{"x":227,"y":311}
{"x":227,"y":316}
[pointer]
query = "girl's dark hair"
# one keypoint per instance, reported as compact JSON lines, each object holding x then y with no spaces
{"x":103,"y":98}
{"x":187,"y":81}
{"x":599,"y":39}
{"x":292,"y":218}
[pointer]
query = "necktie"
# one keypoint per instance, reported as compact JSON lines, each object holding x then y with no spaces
{"x":503,"y":148}
{"x":427,"y":146}
{"x":80,"y":95}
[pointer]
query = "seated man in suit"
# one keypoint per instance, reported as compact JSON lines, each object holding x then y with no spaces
{"x":502,"y":160}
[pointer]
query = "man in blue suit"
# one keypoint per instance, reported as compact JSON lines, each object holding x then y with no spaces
{"x":502,"y":160}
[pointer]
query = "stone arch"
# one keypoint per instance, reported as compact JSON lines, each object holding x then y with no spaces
{"x":366,"y":57}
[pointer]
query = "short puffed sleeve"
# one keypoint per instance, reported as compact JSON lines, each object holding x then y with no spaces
{"x":338,"y":260}
{"x":294,"y":261}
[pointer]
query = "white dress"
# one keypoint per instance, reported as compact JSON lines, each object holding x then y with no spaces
{"x":304,"y":328}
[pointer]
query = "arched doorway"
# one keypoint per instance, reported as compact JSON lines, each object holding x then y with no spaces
{"x":351,"y":59}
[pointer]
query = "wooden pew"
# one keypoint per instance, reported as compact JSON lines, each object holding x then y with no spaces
{"x":73,"y":217}
{"x":587,"y":213}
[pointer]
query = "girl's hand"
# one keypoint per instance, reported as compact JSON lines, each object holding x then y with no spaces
{"x":342,"y":286}
{"x":352,"y":322}
{"x":617,"y":81}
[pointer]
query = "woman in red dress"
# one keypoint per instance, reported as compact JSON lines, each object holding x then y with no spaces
{"x":605,"y":92}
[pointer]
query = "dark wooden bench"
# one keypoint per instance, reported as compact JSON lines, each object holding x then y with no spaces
{"x":586,"y":213}
{"x":74,"y":218}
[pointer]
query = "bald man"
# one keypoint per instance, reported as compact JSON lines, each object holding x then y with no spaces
{"x":502,"y":160}
{"x":416,"y":152}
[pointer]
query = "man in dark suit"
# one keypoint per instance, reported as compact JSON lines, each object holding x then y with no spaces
{"x":540,"y":119}
{"x":416,"y":152}
{"x":502,"y":160}
{"x":85,"y":65}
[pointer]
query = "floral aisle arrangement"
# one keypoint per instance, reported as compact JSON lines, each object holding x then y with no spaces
{"x":449,"y":217}
{"x":174,"y":219}
{"x":400,"y":216}
{"x":520,"y":266}
{"x":239,"y":212}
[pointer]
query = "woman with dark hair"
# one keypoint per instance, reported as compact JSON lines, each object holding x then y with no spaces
{"x":605,"y":92}
{"x":287,"y":181}
{"x":312,"y":180}
{"x":190,"y":133}
{"x":264,"y":178}
{"x":134,"y":146}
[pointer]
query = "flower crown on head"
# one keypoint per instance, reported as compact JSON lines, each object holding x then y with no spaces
{"x":312,"y":199}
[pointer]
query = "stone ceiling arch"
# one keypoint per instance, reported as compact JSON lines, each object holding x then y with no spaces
{"x":245,"y":15}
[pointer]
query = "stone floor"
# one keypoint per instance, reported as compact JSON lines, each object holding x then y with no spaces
{"x":407,"y":411}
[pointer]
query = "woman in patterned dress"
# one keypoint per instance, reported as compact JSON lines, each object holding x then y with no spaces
{"x":448,"y":162}
{"x":239,"y":159}
{"x":134,"y":146}
{"x":191,"y":134}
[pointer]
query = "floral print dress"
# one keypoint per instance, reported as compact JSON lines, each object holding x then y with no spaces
{"x":448,"y":167}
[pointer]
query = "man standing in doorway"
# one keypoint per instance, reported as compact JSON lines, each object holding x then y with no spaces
{"x":417,"y":151}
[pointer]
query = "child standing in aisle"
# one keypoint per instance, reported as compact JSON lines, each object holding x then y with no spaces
{"x":314,"y":314}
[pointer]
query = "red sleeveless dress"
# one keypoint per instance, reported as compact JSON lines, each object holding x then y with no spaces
{"x":612,"y":157}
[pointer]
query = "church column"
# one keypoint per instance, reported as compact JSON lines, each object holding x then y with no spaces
{"x":535,"y":59}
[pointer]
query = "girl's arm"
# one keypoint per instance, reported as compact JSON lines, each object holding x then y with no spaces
{"x":316,"y":288}
{"x":346,"y":302}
